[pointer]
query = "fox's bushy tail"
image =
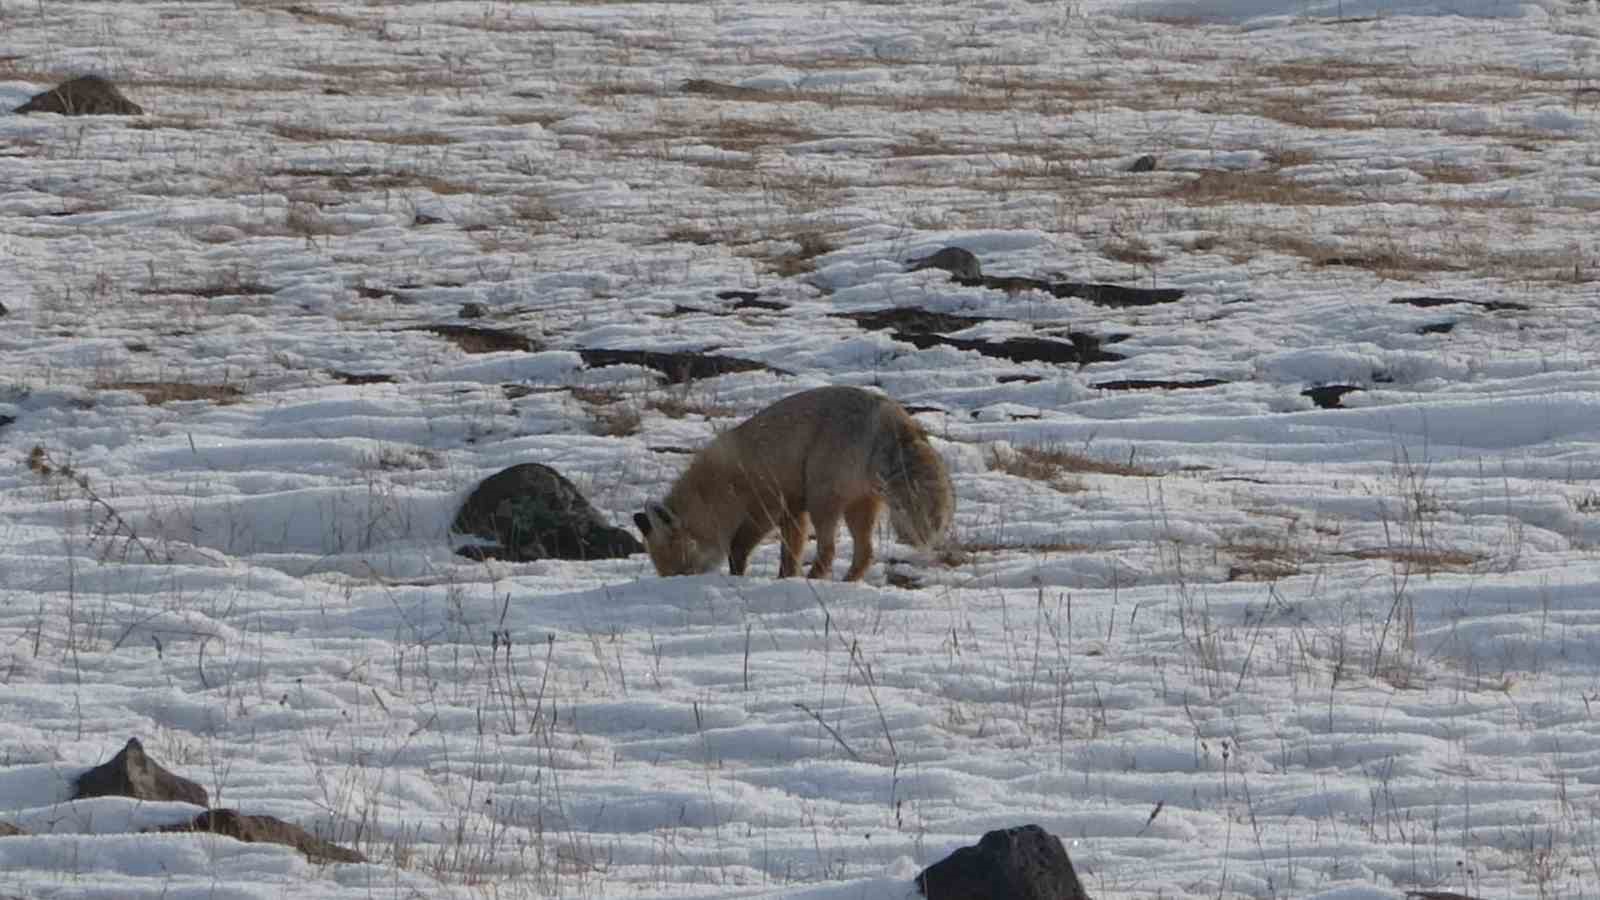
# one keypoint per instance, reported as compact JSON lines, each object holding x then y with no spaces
{"x":916,"y":484}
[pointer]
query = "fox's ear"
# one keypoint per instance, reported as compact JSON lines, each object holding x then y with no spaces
{"x":655,"y":516}
{"x":660,"y":515}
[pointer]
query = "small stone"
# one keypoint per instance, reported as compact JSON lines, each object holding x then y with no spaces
{"x":473,"y":311}
{"x":89,"y":95}
{"x":960,"y":263}
{"x":1145,"y":163}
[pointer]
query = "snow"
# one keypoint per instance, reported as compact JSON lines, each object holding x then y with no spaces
{"x":1223,"y":642}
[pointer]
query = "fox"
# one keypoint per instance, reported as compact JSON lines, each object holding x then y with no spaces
{"x":819,"y":456}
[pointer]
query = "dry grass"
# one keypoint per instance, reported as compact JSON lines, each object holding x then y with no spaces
{"x":311,"y":134}
{"x":678,"y":405}
{"x":1260,"y":186}
{"x":1422,"y":560}
{"x":802,"y":259}
{"x":616,"y":420}
{"x":156,"y":393}
{"x":1056,"y":466}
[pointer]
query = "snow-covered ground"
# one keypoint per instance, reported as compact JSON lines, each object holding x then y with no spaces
{"x":1224,"y":642}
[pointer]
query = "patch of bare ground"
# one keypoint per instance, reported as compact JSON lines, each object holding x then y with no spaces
{"x":307,"y":13}
{"x":311,"y":134}
{"x":1055,"y":466}
{"x":1391,"y":255}
{"x":1259,"y":186}
{"x":1417,"y":559}
{"x":156,"y":393}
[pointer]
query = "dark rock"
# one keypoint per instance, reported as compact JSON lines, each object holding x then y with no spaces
{"x":3,"y":311}
{"x":266,"y":830}
{"x":6,"y":420}
{"x":481,"y":340}
{"x":1329,"y":396}
{"x":1084,"y":348}
{"x":89,"y":95}
{"x":1489,"y":305}
{"x":421,"y":220}
{"x":1437,"y":328}
{"x":960,"y":263}
{"x":741,"y":296}
{"x":533,"y":512}
{"x":133,"y":774}
{"x":1025,"y":863}
{"x":1144,"y":384}
{"x":375,"y":293}
{"x":472,"y":311}
{"x":9,"y":830}
{"x":677,"y":366}
{"x":1145,"y":163}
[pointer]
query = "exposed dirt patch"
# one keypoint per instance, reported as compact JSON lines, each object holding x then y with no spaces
{"x":1489,"y":305}
{"x":1110,"y":295}
{"x":1083,"y":349}
{"x":678,"y":367}
{"x":355,"y":378}
{"x":473,"y":339}
{"x":912,"y":320}
{"x":1143,"y":384}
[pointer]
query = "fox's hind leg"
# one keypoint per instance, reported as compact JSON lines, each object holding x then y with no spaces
{"x":825,"y":522}
{"x":792,"y":531}
{"x":861,"y":517}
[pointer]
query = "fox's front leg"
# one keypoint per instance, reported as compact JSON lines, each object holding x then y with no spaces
{"x":743,"y":543}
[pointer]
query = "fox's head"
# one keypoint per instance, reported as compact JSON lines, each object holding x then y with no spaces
{"x":673,"y":548}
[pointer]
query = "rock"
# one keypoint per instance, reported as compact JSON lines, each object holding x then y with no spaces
{"x":89,"y":95}
{"x":533,"y":512}
{"x":266,"y":830}
{"x":1025,"y":863}
{"x":3,"y":311}
{"x":1145,"y":163}
{"x":133,"y":774}
{"x":1329,"y":396}
{"x":9,"y":830}
{"x":958,"y":262}
{"x":473,"y":311}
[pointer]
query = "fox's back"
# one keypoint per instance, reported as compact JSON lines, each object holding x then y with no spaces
{"x":832,"y":426}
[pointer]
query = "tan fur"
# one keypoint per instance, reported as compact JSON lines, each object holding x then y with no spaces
{"x":820,"y":456}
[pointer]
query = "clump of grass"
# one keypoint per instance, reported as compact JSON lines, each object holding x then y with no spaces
{"x":679,"y":405}
{"x":802,"y":259}
{"x":156,"y":393}
{"x":1055,"y":466}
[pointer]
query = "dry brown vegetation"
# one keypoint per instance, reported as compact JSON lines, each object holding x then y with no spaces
{"x":156,"y":393}
{"x":1055,"y":466}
